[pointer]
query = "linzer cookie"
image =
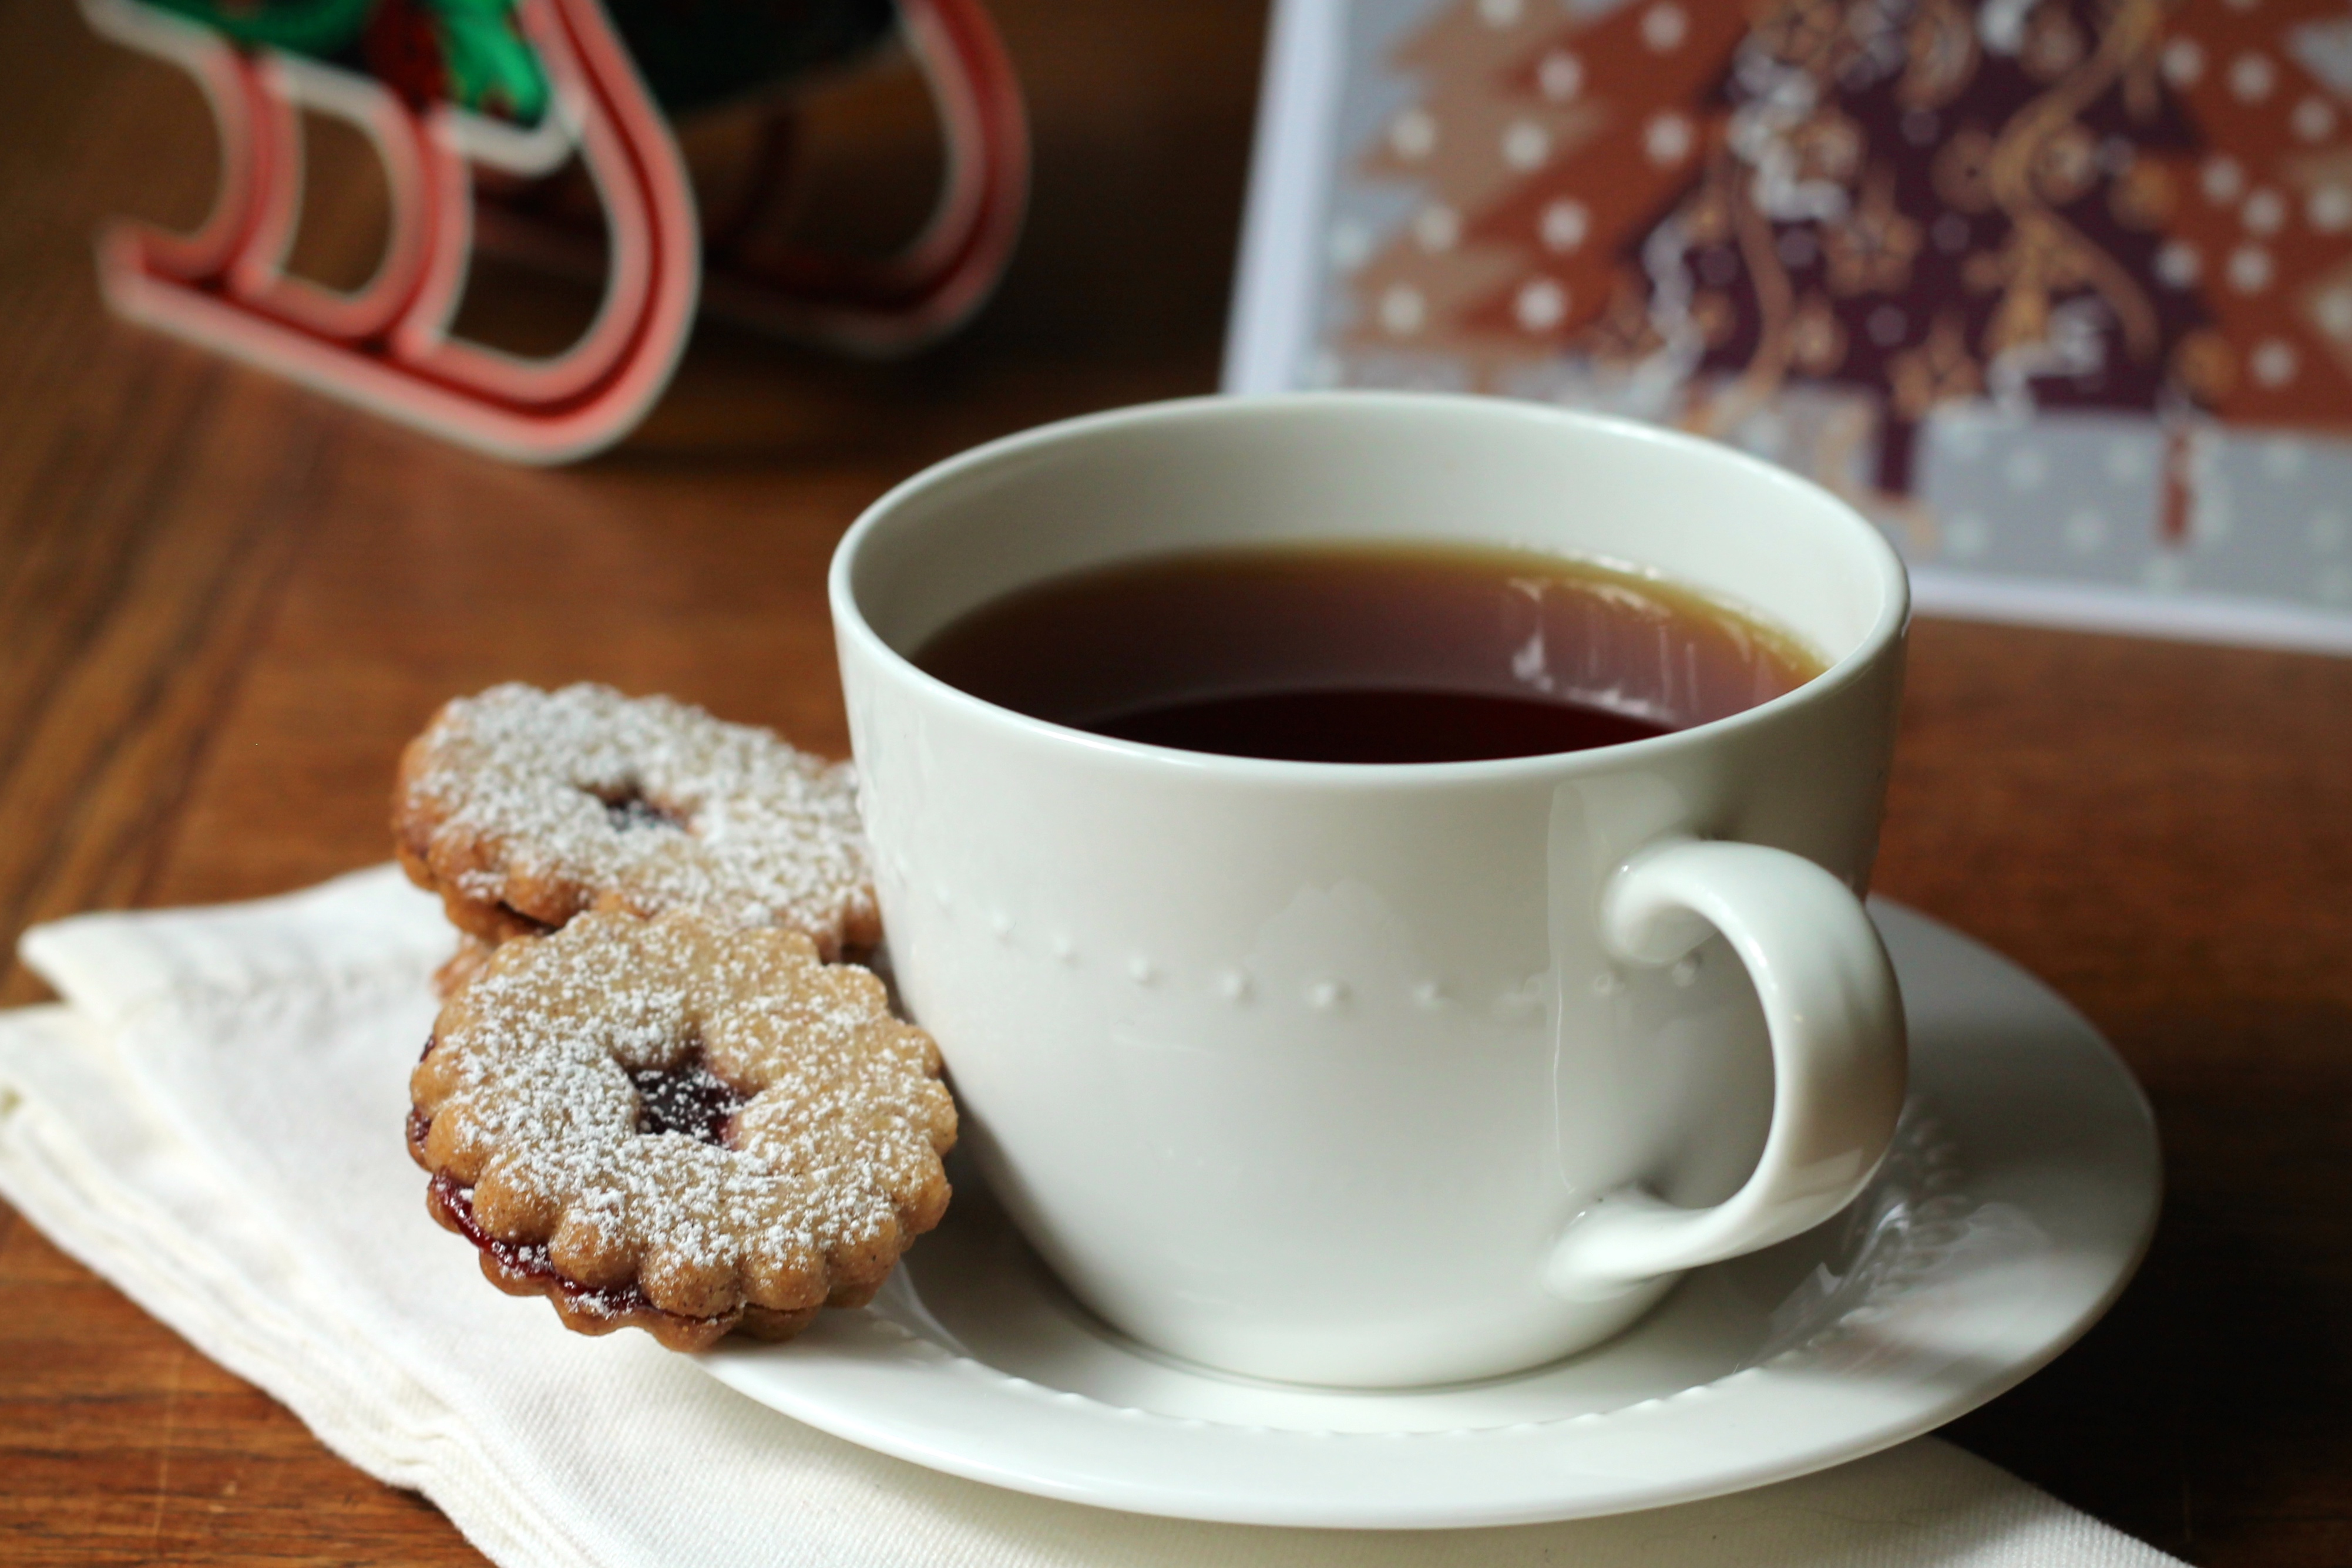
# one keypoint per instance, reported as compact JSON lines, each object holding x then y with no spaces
{"x":680,"y":1125}
{"x":523,"y":808}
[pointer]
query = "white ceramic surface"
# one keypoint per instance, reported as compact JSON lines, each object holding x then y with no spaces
{"x":2019,"y":1198}
{"x":1387,"y":1075}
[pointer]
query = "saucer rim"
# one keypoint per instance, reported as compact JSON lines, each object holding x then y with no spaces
{"x":1578,"y":1494}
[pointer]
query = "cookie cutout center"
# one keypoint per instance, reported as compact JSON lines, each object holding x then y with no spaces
{"x":629,"y":812}
{"x":689,"y":1098}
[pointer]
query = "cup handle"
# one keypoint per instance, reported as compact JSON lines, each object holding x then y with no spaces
{"x":1838,"y":1055}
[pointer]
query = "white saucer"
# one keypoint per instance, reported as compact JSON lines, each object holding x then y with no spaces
{"x":2020,"y":1197}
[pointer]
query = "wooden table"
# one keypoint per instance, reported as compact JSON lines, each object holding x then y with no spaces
{"x":224,"y":604}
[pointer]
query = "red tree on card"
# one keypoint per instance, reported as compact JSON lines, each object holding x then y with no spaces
{"x":1868,"y":209}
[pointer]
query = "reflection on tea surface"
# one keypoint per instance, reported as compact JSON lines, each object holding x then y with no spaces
{"x":1368,"y":653}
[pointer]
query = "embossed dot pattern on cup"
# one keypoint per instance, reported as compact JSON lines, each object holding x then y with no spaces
{"x":1235,"y":985}
{"x":1326,"y":996}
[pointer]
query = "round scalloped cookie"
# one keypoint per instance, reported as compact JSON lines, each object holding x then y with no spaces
{"x":681,"y":1125}
{"x":522,"y":807}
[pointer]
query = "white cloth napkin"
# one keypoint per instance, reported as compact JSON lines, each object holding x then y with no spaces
{"x":213,"y":1122}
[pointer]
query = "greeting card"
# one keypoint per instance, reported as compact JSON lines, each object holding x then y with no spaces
{"x":2057,"y":291}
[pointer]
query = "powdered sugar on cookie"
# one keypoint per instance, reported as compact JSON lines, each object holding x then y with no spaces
{"x":683,"y":1125}
{"x":523,"y":808}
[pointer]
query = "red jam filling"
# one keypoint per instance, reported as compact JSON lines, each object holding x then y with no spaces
{"x":632,"y":812}
{"x":690,"y":1099}
{"x":530,"y":1261}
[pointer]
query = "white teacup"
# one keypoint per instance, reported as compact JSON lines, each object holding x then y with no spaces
{"x":1378,"y":1074}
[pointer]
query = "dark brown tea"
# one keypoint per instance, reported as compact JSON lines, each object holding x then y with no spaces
{"x":1367,"y":652}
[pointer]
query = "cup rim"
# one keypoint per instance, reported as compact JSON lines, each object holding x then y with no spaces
{"x":850,"y":624}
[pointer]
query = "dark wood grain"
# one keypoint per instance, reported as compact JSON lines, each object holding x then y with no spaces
{"x":2164,"y":833}
{"x":224,"y":605}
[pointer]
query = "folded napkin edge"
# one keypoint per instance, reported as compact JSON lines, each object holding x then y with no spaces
{"x":61,"y":1190}
{"x":111,"y":964}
